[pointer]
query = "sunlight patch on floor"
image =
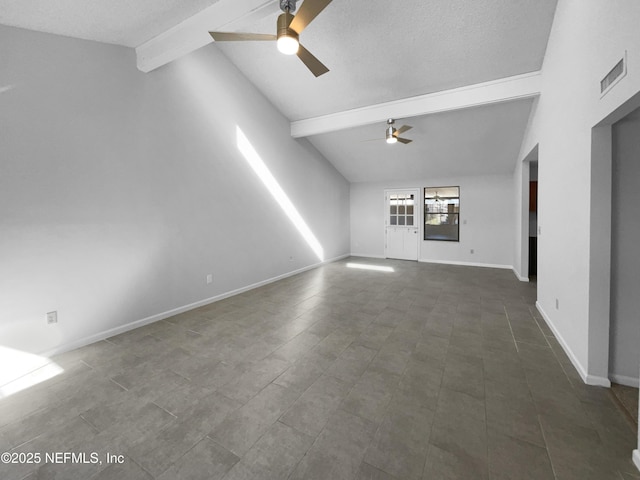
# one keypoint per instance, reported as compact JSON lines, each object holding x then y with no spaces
{"x":21,"y":370}
{"x":365,"y":266}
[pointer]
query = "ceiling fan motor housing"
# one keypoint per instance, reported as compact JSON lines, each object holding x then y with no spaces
{"x":283,"y":25}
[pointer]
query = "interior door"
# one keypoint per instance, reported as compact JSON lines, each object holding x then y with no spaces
{"x":401,"y":224}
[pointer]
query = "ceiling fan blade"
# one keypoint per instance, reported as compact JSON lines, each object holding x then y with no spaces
{"x":238,"y":37}
{"x":402,"y":129}
{"x":404,"y":140}
{"x":307,"y":12}
{"x":312,"y":63}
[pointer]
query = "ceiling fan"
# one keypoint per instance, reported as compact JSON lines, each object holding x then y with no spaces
{"x":392,"y":134}
{"x":289,"y":28}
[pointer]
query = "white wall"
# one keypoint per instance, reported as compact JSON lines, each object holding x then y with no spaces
{"x":587,"y":39}
{"x":485,"y":205}
{"x":120,"y":191}
{"x":625,"y":261}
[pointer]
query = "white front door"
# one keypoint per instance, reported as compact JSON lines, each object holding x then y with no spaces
{"x":401,"y":224}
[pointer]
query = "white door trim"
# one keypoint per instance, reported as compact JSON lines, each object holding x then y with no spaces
{"x":418,"y":215}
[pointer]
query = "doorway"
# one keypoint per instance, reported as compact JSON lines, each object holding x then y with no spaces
{"x":624,"y":326}
{"x":533,"y":220}
{"x":401,"y":224}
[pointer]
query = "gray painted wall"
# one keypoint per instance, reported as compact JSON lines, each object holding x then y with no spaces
{"x":120,"y":191}
{"x":624,"y":351}
{"x":487,"y":219}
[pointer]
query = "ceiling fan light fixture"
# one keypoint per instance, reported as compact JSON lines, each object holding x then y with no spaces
{"x":389,"y":135}
{"x":288,"y":45}
{"x":288,"y":42}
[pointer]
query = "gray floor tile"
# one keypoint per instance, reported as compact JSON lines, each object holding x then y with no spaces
{"x":311,"y":411}
{"x":371,"y":394}
{"x":368,"y":472}
{"x":338,"y":450}
{"x":432,"y":372}
{"x":422,"y":380}
{"x":241,"y":428}
{"x":464,"y":374}
{"x":205,"y":460}
{"x":374,"y":336}
{"x":510,"y":458}
{"x":461,"y":432}
{"x":297,"y":347}
{"x":431,"y":348}
{"x":301,"y":375}
{"x":352,"y":363}
{"x":158,"y":451}
{"x":453,"y":464}
{"x":248,"y":384}
{"x":512,"y":413}
{"x":400,"y":444}
{"x":123,"y":471}
{"x":274,"y":456}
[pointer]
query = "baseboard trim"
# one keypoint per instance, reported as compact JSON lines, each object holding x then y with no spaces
{"x":366,"y":255}
{"x":625,"y":380}
{"x":175,"y":311}
{"x":636,"y":458}
{"x":586,"y":378}
{"x":518,"y":276}
{"x":466,"y":264}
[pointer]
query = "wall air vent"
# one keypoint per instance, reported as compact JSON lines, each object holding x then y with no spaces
{"x":614,"y":75}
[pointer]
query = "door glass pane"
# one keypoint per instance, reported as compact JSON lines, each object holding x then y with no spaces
{"x":400,"y":220}
{"x":409,"y":220}
{"x":394,"y":209}
{"x":393,"y":220}
{"x":409,"y":209}
{"x":401,"y":209}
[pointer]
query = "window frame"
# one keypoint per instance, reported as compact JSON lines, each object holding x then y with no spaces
{"x":456,"y":214}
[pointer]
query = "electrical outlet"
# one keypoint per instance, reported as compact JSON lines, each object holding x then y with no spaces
{"x":557,"y":304}
{"x":471,"y":251}
{"x":209,"y":279}
{"x":52,"y":317}
{"x":291,"y":259}
{"x":539,"y":230}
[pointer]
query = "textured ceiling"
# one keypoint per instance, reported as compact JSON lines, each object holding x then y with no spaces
{"x":377,"y":51}
{"x":380,"y":51}
{"x":121,"y":22}
{"x":482,"y":140}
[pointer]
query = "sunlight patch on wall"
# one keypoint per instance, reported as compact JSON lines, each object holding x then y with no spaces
{"x":364,"y":266}
{"x":259,"y":167}
{"x":6,"y":89}
{"x":21,"y":370}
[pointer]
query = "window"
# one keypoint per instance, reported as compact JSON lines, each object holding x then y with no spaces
{"x":442,"y":213}
{"x":401,"y":208}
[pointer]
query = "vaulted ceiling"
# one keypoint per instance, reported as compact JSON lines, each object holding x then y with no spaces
{"x":377,"y":51}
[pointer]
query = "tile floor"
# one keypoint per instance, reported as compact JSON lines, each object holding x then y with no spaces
{"x":428,"y":372}
{"x":628,"y":398}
